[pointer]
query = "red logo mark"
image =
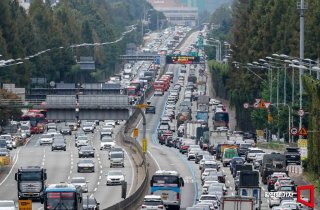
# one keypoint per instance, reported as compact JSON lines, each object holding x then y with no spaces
{"x":311,"y":193}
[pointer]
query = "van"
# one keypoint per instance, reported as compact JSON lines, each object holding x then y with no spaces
{"x":25,"y":128}
{"x":117,"y":159}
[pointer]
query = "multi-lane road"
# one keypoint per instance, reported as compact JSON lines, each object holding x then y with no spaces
{"x":62,"y":166}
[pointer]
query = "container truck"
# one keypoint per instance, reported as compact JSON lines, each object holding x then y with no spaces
{"x":237,"y":203}
{"x":191,"y":129}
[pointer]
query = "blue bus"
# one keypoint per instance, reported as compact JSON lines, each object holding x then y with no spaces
{"x":63,"y":197}
{"x":167,"y":184}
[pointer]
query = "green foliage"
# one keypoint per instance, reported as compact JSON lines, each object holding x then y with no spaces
{"x":7,"y":112}
{"x":71,"y":22}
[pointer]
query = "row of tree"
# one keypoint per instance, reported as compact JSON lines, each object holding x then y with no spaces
{"x":24,"y":33}
{"x":260,"y":29}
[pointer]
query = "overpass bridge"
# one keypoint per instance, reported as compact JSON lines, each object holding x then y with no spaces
{"x":139,"y":57}
{"x":88,"y":107}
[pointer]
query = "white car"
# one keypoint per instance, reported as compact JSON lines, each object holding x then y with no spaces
{"x":152,"y":202}
{"x":46,"y":139}
{"x":107,"y":131}
{"x":209,"y":198}
{"x":81,"y":141}
{"x":8,"y":205}
{"x":80,"y":181}
{"x":110,"y":123}
{"x":252,"y":153}
{"x":158,"y":93}
{"x":10,"y":143}
{"x":88,"y":127}
{"x":114,"y":177}
{"x":107,"y":142}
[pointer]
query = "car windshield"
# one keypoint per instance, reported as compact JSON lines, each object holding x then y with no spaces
{"x":208,"y":198}
{"x":115,"y":173}
{"x":46,"y":136}
{"x":256,"y":151}
{"x":152,"y":203}
{"x":117,"y":155}
{"x":86,"y":148}
{"x":78,"y":180}
{"x":88,"y":124}
{"x":6,"y":204}
{"x":25,"y":128}
{"x":106,"y":129}
{"x":85,"y":161}
{"x":82,"y":138}
{"x":107,"y":140}
{"x":286,"y":188}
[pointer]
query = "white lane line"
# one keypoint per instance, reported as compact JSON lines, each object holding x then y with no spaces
{"x":95,"y":189}
{"x":155,"y":160}
{"x":98,"y":183}
{"x":101,"y":172}
{"x":230,"y":188}
{"x":98,"y":158}
{"x":132,"y":172}
{"x":232,"y":194}
{"x":101,"y":166}
{"x":12,"y":167}
{"x":263,"y":189}
{"x":228,"y":182}
{"x":70,"y":172}
{"x":40,"y":208}
{"x":68,"y":177}
{"x":71,"y":167}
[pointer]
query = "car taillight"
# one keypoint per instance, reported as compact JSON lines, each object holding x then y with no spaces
{"x":271,"y":181}
{"x":160,"y":207}
{"x":143,"y":206}
{"x":178,"y":196}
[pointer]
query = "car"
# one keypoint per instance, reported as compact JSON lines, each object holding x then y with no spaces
{"x":90,"y":203}
{"x":51,"y":126}
{"x":107,"y":142}
{"x":58,"y":144}
{"x":80,"y":182}
{"x":150,"y":109}
{"x":52,"y":131}
{"x":252,"y":153}
{"x":11,"y":144}
{"x":85,"y":165}
{"x":81,"y":141}
{"x":275,"y":201}
{"x":114,"y":149}
{"x":114,"y":177}
{"x":158,"y":93}
{"x":65,"y":130}
{"x":106,"y":131}
{"x":4,"y":152}
{"x":46,"y":139}
{"x":116,"y":159}
{"x":209,"y":198}
{"x":86,"y":151}
{"x":8,"y":205}
{"x":152,"y":202}
{"x":88,"y":127}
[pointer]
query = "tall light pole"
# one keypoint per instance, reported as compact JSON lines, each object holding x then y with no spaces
{"x":302,"y":8}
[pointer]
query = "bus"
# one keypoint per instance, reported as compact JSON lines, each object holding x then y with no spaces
{"x":167,"y":184}
{"x":63,"y":196}
{"x":37,"y":119}
{"x":220,"y":119}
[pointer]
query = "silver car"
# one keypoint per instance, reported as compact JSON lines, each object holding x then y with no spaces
{"x":115,"y":177}
{"x":81,"y":182}
{"x":46,"y":139}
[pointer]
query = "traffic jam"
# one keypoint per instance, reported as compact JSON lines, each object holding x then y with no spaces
{"x":232,"y":172}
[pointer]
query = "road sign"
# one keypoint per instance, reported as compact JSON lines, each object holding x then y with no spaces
{"x":301,"y":112}
{"x":256,"y":104}
{"x":293,"y":131}
{"x":246,"y":105}
{"x":267,"y":104}
{"x":25,"y":204}
{"x":144,"y":145}
{"x":270,"y":118}
{"x":302,"y":143}
{"x":303,"y":132}
{"x":135,"y":133}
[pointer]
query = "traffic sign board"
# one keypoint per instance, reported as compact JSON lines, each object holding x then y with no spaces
{"x":144,"y":145}
{"x":267,"y":104}
{"x":135,"y":133}
{"x":303,"y":132}
{"x":25,"y":204}
{"x":301,"y":112}
{"x":246,"y":105}
{"x":256,"y":104}
{"x":293,"y":131}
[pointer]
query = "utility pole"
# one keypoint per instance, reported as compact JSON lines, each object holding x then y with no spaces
{"x":302,"y":8}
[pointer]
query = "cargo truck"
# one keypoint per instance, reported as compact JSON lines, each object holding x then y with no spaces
{"x":220,"y":149}
{"x":237,"y":203}
{"x":274,"y":162}
{"x":191,"y":129}
{"x":31,"y":182}
{"x":249,"y":186}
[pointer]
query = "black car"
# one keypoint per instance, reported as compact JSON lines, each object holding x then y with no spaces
{"x":66,"y":130}
{"x":90,"y":203}
{"x":59,"y":144}
{"x":86,"y":151}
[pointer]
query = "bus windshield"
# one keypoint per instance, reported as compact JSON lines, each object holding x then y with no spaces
{"x":61,"y":200}
{"x":163,"y":180}
{"x":30,"y":176}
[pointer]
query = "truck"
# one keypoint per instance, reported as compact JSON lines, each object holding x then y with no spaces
{"x":191,"y":129}
{"x":221,"y":147}
{"x":249,"y":186}
{"x":203,"y":101}
{"x":274,"y":162}
{"x":237,"y":203}
{"x":217,"y":137}
{"x":227,"y":156}
{"x":31,"y":182}
{"x":182,"y":117}
{"x":292,"y":155}
{"x":202,"y":116}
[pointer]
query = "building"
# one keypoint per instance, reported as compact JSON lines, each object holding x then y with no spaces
{"x":176,"y":12}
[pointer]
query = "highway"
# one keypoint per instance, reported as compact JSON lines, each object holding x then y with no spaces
{"x":62,"y":166}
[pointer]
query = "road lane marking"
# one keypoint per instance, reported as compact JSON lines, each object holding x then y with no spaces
{"x":100,"y":172}
{"x":98,"y":183}
{"x":68,"y":177}
{"x":95,"y":189}
{"x":99,"y":177}
{"x":155,"y":160}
